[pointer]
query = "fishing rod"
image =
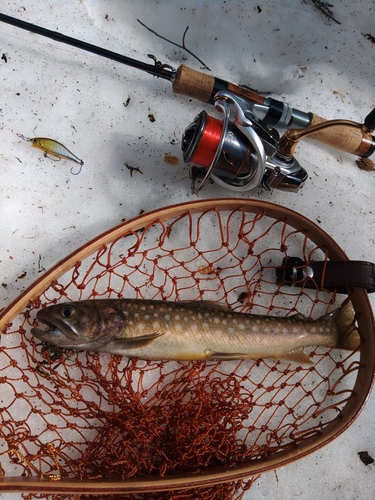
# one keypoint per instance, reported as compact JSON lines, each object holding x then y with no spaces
{"x":244,"y":151}
{"x":185,"y":80}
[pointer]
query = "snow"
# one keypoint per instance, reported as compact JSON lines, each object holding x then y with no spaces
{"x":287,"y":48}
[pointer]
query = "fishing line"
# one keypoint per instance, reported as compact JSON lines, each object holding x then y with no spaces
{"x":207,"y":146}
{"x":51,"y":47}
{"x":42,"y":45}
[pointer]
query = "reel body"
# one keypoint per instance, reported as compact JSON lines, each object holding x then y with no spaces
{"x":238,"y":152}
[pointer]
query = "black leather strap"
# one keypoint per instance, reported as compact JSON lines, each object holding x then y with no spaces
{"x":329,"y":275}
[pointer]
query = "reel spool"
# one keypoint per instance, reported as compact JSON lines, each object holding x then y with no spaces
{"x":240,"y":153}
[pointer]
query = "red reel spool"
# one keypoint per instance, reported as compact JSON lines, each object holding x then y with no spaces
{"x":206,"y":148}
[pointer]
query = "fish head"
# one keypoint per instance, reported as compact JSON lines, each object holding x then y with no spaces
{"x":36,"y":142}
{"x":87,"y":324}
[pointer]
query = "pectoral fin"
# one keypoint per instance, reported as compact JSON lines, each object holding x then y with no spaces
{"x":136,"y":342}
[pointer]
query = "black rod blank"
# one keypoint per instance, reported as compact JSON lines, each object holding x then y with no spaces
{"x":156,"y":69}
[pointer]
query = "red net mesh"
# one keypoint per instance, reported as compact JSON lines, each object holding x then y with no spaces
{"x":67,"y":414}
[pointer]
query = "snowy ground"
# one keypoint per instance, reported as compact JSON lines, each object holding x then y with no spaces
{"x":284,"y":47}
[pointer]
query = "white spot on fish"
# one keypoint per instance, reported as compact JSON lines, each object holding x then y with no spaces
{"x":167,"y":317}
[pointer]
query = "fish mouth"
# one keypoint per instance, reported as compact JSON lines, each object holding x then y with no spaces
{"x":56,"y":331}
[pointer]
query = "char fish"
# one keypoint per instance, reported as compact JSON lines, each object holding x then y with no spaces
{"x":161,"y":330}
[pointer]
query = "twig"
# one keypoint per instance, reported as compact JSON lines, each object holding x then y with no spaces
{"x":325,"y":9}
{"x":369,"y":37}
{"x":183,"y":46}
{"x":133,"y":169}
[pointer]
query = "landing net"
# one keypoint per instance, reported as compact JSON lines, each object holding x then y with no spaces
{"x":88,"y":416}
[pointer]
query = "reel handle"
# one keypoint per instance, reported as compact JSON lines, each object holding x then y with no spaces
{"x":352,"y":137}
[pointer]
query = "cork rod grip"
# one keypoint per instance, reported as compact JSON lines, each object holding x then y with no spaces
{"x":193,"y":83}
{"x":345,"y":138}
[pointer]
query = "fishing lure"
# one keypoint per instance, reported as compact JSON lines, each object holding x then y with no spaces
{"x":53,"y":148}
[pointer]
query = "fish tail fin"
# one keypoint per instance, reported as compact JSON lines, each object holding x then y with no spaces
{"x":347,"y":333}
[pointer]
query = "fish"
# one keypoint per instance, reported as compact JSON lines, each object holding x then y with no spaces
{"x":198,"y":330}
{"x":53,"y":148}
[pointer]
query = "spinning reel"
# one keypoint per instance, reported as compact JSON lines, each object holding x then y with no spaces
{"x":242,"y":152}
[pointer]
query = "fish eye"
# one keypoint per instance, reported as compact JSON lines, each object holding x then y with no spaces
{"x":68,"y":311}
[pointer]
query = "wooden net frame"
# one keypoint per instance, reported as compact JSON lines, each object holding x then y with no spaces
{"x":88,"y":423}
